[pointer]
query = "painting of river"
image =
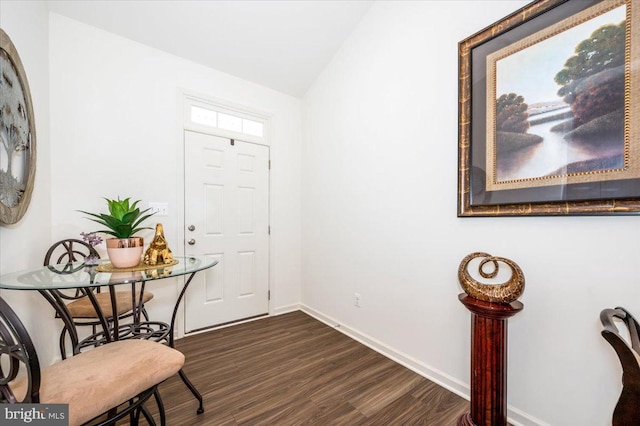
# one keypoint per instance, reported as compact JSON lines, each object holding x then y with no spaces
{"x":560,"y":104}
{"x":554,"y":155}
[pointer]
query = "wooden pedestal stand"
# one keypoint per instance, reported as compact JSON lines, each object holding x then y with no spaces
{"x":488,"y":361}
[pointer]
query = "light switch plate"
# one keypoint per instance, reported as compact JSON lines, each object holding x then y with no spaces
{"x":160,"y":209}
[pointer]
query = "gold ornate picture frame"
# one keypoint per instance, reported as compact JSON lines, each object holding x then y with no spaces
{"x":549,"y":111}
{"x":17,"y":135}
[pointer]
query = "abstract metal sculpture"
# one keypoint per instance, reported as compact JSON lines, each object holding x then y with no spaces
{"x":501,"y":293}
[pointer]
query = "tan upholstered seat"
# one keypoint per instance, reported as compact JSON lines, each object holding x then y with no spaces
{"x":97,"y":380}
{"x":83,"y":308}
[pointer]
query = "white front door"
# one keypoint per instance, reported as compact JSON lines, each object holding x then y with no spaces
{"x":227,"y":218}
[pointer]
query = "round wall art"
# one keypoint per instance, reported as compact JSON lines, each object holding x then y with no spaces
{"x":17,"y":135}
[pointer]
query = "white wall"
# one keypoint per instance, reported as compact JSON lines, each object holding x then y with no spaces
{"x":379,"y":186}
{"x":379,"y":218}
{"x":116,"y":131}
{"x":23,"y":244}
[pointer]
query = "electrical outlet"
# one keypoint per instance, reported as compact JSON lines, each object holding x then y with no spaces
{"x":356,"y":300}
{"x":160,"y":209}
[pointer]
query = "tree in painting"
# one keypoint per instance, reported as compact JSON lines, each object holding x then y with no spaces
{"x":512,"y":123}
{"x":511,"y":114}
{"x":592,"y":81}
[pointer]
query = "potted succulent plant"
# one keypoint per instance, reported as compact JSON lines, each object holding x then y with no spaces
{"x":122,"y":222}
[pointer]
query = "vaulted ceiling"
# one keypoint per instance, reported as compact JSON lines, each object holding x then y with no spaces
{"x":283,"y":45}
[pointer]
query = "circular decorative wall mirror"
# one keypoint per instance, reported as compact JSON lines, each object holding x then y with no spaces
{"x":17,"y":135}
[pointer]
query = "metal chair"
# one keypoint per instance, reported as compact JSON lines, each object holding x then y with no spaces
{"x":70,"y":252}
{"x":100,"y":386}
{"x":627,"y":410}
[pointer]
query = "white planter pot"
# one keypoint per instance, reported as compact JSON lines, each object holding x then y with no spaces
{"x":125,"y":252}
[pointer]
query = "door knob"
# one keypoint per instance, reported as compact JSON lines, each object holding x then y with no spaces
{"x":191,"y":228}
{"x":191,"y":242}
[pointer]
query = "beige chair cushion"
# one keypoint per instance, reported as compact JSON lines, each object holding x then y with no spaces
{"x":102,"y":378}
{"x":82,"y":308}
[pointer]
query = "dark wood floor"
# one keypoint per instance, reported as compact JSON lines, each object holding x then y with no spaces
{"x":294,"y":370}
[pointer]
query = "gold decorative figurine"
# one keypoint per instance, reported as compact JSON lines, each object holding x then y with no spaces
{"x":158,"y":252}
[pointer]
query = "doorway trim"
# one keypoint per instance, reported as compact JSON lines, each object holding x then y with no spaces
{"x":186,"y":99}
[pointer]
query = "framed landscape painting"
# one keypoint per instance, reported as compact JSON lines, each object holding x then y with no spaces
{"x":549,"y":119}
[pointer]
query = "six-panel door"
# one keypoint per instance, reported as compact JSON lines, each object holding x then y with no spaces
{"x":227,"y":206}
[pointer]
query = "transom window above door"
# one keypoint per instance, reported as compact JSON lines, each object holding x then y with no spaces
{"x":225,"y":121}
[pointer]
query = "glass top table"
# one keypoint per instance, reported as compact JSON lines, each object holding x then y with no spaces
{"x":49,"y":280}
{"x":79,"y":275}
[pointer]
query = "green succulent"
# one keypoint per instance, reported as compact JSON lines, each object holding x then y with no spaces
{"x":123,"y":220}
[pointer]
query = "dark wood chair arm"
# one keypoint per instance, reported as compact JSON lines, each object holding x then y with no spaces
{"x":627,"y":410}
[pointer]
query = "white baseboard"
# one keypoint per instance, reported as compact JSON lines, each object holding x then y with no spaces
{"x":286,"y":309}
{"x":516,"y":417}
{"x":277,"y":311}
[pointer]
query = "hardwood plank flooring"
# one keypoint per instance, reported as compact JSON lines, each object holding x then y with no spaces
{"x":294,"y":370}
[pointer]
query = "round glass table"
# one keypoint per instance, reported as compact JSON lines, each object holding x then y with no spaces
{"x":49,"y":280}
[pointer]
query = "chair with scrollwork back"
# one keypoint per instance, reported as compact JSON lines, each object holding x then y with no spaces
{"x":627,"y":410}
{"x":70,"y":253}
{"x":113,"y":389}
